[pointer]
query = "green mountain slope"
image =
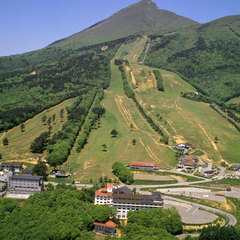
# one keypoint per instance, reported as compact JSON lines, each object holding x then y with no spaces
{"x":208,"y":54}
{"x":140,"y":17}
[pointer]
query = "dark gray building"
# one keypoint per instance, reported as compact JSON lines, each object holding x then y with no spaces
{"x":25,"y":184}
{"x":235,"y":167}
{"x":11,"y":166}
{"x":105,"y":228}
{"x":125,"y":202}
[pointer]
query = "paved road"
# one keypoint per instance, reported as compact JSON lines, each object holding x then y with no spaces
{"x":77,"y":184}
{"x":138,"y":187}
{"x":182,"y":173}
{"x":232,"y":219}
{"x":221,"y":173}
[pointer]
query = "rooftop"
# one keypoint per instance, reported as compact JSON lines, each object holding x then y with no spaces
{"x":11,"y":164}
{"x":189,"y":157}
{"x":120,"y":190}
{"x":144,"y":164}
{"x":188,"y":162}
{"x":103,"y":194}
{"x":27,"y":177}
{"x":107,"y":224}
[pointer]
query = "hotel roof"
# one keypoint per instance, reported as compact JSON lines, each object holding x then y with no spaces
{"x":144,"y":164}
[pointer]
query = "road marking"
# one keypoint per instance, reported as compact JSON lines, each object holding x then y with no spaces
{"x":195,"y":210}
{"x":189,"y":208}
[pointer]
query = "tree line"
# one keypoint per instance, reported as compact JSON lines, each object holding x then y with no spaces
{"x":159,"y":79}
{"x":60,"y":145}
{"x":123,"y":173}
{"x":156,"y":224}
{"x":129,"y":93}
{"x":95,"y":114}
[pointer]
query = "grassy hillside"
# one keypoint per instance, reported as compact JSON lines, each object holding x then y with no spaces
{"x":182,"y":119}
{"x":19,"y":142}
{"x":26,"y":92}
{"x":207,"y":54}
{"x":121,"y":112}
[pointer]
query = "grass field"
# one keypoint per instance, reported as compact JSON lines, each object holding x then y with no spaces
{"x":234,"y":100}
{"x":153,"y":182}
{"x":19,"y":142}
{"x":182,"y":119}
{"x":121,"y":112}
{"x":183,"y":177}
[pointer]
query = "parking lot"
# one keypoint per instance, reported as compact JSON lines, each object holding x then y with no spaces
{"x":194,"y":192}
{"x":191,"y":214}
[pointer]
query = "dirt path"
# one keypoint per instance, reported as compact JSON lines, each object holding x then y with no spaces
{"x":128,"y":69}
{"x":177,"y":106}
{"x":149,"y":151}
{"x":129,"y":120}
{"x":154,"y":80}
{"x":173,"y":128}
{"x":212,"y":142}
{"x":2,"y":135}
{"x":123,"y":110}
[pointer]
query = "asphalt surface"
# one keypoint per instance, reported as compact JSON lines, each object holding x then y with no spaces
{"x":232,"y":219}
{"x":191,"y":214}
{"x":138,"y":187}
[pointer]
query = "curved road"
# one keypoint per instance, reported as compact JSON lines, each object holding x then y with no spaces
{"x":232,"y":219}
{"x":138,"y":187}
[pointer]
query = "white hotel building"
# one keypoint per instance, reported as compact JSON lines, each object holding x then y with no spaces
{"x":124,"y":200}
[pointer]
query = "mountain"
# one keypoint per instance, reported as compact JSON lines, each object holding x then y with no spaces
{"x":143,"y":16}
{"x":207,"y":54}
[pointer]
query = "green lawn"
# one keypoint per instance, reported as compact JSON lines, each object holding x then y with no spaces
{"x":153,"y":182}
{"x":183,"y":119}
{"x":19,"y":142}
{"x":184,"y":177}
{"x":121,"y":112}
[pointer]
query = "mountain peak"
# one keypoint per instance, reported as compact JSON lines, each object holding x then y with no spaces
{"x":143,"y":16}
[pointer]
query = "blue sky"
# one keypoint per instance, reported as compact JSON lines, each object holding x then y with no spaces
{"x":27,"y":25}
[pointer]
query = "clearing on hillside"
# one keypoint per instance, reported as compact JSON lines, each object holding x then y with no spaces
{"x":183,"y":119}
{"x":19,"y":142}
{"x":121,"y":114}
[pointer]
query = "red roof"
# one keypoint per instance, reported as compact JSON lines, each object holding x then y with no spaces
{"x":107,"y":224}
{"x":145,"y":164}
{"x":109,"y":185}
{"x":99,"y":193}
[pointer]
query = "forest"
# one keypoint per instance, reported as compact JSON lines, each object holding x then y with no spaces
{"x":206,"y":55}
{"x":70,"y":214}
{"x":33,"y":86}
{"x":64,"y":213}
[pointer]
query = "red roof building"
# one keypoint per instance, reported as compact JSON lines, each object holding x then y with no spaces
{"x":103,"y":195}
{"x":144,"y":165}
{"x":105,"y":228}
